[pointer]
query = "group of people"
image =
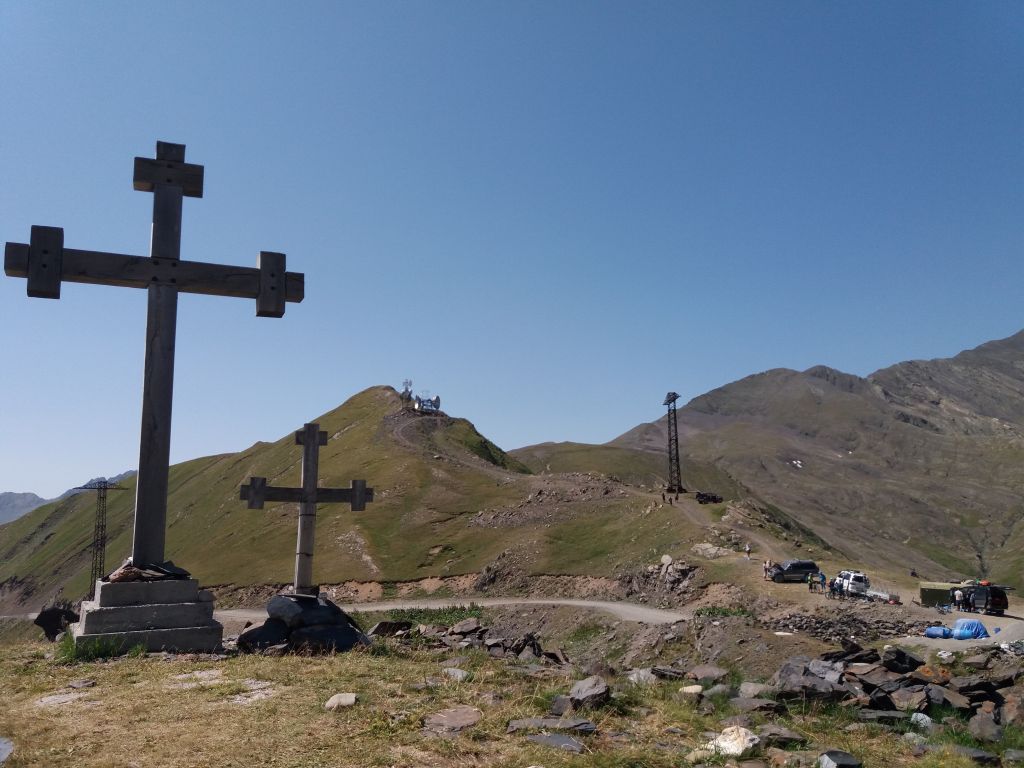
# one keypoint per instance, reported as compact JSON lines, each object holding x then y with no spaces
{"x":965,"y":601}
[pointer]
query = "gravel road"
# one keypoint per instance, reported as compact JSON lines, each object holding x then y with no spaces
{"x":625,"y":611}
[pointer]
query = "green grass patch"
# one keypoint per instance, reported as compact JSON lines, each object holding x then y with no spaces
{"x":69,"y":652}
{"x":444,"y":617}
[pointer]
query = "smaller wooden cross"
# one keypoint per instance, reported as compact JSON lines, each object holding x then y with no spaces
{"x":308,"y":496}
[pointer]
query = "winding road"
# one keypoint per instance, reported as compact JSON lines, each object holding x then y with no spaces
{"x":626,"y":611}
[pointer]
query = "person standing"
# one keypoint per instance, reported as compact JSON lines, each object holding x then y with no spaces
{"x":958,"y":599}
{"x":746,"y":549}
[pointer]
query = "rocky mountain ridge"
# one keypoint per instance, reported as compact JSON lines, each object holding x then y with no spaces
{"x":920,"y":463}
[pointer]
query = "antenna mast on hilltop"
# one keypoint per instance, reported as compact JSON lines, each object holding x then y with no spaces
{"x":99,"y":534}
{"x":675,"y":483}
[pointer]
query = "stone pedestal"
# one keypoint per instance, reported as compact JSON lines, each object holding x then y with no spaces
{"x":165,"y":615}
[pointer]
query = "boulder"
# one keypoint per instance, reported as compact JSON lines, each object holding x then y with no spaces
{"x":777,"y":736}
{"x":560,"y":705}
{"x":836,"y":758}
{"x":270,"y":633}
{"x":928,"y":674}
{"x":734,"y":741}
{"x":456,"y":674}
{"x":754,"y":690}
{"x":641,"y":677}
{"x":707,"y":674}
{"x":465,"y":627}
{"x":956,"y":700}
{"x":755,"y":705}
{"x":389,"y":628}
{"x":1013,"y":707}
{"x":909,"y":700}
{"x":590,"y":692}
{"x":900,"y":661}
{"x":340,"y":701}
{"x":921,"y":721}
{"x":327,"y":637}
{"x":983,"y":727}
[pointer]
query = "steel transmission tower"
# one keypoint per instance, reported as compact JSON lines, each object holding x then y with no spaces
{"x":675,"y":483}
{"x":99,"y":533}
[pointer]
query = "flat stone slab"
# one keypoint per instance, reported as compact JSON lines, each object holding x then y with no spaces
{"x":578,"y":725}
{"x":129,"y":618}
{"x":111,"y":594}
{"x":707,"y":673}
{"x":258,"y":690}
{"x":452,"y":720}
{"x":205,"y":639}
{"x":202,"y":679}
{"x":6,"y":748}
{"x":56,"y":699}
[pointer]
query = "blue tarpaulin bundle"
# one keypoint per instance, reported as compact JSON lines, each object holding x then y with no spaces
{"x":939,"y":632}
{"x":969,"y":629}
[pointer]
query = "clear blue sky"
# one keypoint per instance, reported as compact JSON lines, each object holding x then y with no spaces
{"x":547,"y":213}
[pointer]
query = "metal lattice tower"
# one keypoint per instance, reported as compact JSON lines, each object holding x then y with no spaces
{"x":675,"y":483}
{"x":99,"y":533}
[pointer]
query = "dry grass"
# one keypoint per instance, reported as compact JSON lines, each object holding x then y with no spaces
{"x":139,"y":715}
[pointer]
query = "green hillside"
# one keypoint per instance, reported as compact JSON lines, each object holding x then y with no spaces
{"x":920,"y":465}
{"x":447,"y":502}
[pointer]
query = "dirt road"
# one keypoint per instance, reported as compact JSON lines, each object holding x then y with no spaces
{"x":625,"y":611}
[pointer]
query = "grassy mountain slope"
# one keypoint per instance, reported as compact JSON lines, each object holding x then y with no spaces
{"x":447,"y":502}
{"x":919,"y":464}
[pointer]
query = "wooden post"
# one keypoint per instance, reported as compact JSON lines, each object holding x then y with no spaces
{"x":158,"y":376}
{"x":310,"y":438}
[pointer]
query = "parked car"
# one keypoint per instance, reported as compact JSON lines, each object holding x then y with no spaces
{"x":989,"y":598}
{"x":792,"y":570}
{"x":854,"y":583}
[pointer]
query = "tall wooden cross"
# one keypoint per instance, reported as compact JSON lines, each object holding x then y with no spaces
{"x":46,"y":263}
{"x":308,"y":496}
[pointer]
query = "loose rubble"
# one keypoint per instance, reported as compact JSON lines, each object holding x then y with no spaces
{"x":836,"y":628}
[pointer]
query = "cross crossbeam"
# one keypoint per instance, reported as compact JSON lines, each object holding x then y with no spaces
{"x":46,"y":264}
{"x":50,"y":259}
{"x":256,"y":492}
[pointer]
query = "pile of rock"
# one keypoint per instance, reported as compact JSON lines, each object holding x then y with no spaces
{"x":897,"y":687}
{"x":668,"y":577}
{"x":470,"y":633}
{"x":302,"y":623}
{"x":837,"y":628}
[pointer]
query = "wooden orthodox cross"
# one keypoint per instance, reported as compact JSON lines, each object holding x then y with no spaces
{"x":308,"y":496}
{"x":46,"y":263}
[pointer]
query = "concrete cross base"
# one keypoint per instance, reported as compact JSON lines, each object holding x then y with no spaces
{"x":169,"y":615}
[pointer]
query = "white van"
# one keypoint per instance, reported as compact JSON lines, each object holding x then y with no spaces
{"x":854,"y":583}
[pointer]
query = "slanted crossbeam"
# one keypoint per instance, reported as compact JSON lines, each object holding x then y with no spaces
{"x":256,"y":492}
{"x":46,"y":264}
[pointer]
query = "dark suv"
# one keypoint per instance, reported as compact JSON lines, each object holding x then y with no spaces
{"x":792,"y":570}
